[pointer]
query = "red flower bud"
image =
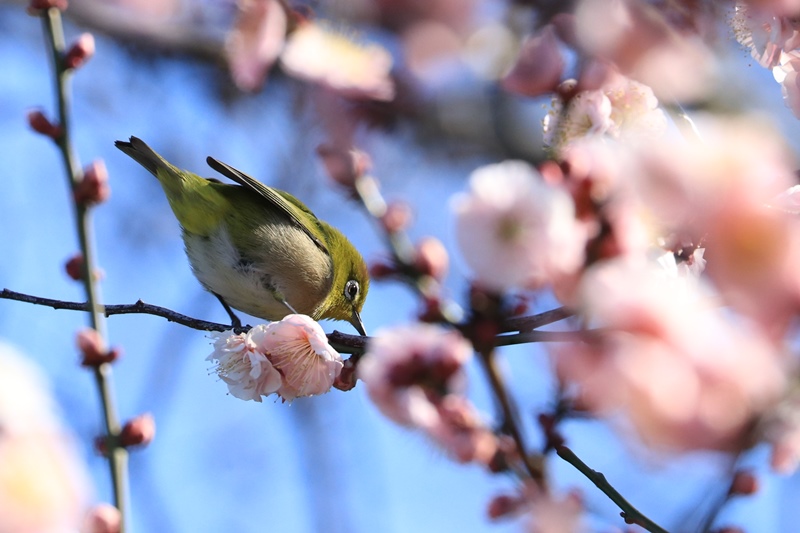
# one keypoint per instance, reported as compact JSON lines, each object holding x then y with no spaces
{"x":347,"y":377}
{"x":342,"y":165}
{"x":93,"y":188}
{"x":503,"y":505}
{"x":431,"y":258}
{"x":139,"y":431}
{"x":74,"y":267}
{"x":744,"y":483}
{"x":41,"y":124}
{"x":40,"y":5}
{"x":93,"y":349}
{"x":80,"y":52}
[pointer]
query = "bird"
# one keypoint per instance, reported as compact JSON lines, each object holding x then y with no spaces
{"x":259,"y":249}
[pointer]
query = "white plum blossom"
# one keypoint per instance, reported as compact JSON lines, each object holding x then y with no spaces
{"x":515,"y":230}
{"x":318,"y":54}
{"x":290,"y":358}
{"x":621,"y":109}
{"x":246,"y":370}
{"x":764,"y":32}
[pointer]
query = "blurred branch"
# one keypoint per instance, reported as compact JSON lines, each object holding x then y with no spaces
{"x":343,"y":342}
{"x":629,"y":513}
{"x":169,"y":34}
{"x":117,"y":455}
{"x":534,"y":465}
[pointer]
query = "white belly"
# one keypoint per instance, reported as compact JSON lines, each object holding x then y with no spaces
{"x":291,"y":268}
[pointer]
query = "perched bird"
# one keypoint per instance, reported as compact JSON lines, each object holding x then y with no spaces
{"x":259,"y":249}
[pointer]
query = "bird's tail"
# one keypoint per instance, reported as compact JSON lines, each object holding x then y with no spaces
{"x":144,"y":155}
{"x":196,"y":205}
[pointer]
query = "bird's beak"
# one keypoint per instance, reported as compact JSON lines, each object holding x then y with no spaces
{"x":357,"y":323}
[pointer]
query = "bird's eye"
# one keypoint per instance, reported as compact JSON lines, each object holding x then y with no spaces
{"x":351,"y":290}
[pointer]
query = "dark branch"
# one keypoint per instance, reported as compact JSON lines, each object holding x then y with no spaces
{"x":629,"y":513}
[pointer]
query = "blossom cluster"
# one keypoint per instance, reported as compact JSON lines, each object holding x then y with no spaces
{"x":290,"y":358}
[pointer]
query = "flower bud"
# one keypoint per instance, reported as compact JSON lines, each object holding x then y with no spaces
{"x":431,"y":258}
{"x":744,"y":483}
{"x":93,"y":349}
{"x":342,"y":165}
{"x":41,"y":124}
{"x":346,"y":380}
{"x":80,"y":52}
{"x":397,"y":217}
{"x":40,"y":5}
{"x":503,"y":505}
{"x":74,"y":267}
{"x":138,"y":431}
{"x":93,"y":188}
{"x":103,"y":518}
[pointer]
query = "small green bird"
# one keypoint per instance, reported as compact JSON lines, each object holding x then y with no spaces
{"x":258,"y":249}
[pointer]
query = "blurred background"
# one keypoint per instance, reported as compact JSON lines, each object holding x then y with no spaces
{"x":330,"y":463}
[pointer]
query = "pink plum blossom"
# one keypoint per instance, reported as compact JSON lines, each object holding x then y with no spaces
{"x":291,"y":358}
{"x":717,"y":187}
{"x":408,"y":368}
{"x":645,"y":46}
{"x":764,"y":32}
{"x":684,"y":375}
{"x":414,"y":374}
{"x":516,"y":230}
{"x":298,"y":348}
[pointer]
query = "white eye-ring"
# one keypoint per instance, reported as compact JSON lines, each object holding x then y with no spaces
{"x":351,"y":290}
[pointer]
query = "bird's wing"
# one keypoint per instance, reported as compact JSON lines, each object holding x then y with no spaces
{"x":297,"y":213}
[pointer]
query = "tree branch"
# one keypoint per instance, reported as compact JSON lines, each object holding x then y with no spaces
{"x":629,"y":513}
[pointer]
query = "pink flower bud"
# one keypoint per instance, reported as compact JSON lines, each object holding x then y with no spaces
{"x":41,"y":5}
{"x":103,"y":518}
{"x":397,"y":217}
{"x":80,"y":52}
{"x":93,"y":188}
{"x":539,"y":66}
{"x":503,"y":505}
{"x":93,"y":348}
{"x":41,"y":124}
{"x":431,"y":258}
{"x":139,"y":431}
{"x":744,"y":483}
{"x":343,"y":166}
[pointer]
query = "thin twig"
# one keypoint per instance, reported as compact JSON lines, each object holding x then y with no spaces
{"x":510,"y":420}
{"x":117,"y":455}
{"x":343,"y":342}
{"x":629,"y":513}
